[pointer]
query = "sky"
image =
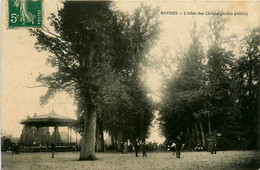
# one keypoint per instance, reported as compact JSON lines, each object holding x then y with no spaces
{"x":21,"y":63}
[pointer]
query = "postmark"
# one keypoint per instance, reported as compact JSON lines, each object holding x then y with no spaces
{"x":25,"y":13}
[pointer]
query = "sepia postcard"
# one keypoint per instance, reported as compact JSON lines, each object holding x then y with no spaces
{"x":130,"y":84}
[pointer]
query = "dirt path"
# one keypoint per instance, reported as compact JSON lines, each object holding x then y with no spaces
{"x":155,"y":160}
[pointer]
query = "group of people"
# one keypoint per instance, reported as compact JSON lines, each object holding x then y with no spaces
{"x":177,"y":146}
{"x":212,"y":145}
{"x":140,"y":145}
{"x":124,"y":146}
{"x":15,"y":149}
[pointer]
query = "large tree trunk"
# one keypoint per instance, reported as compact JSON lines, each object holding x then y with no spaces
{"x":202,"y":136}
{"x":189,"y":139}
{"x":87,"y":151}
{"x":209,"y":125}
{"x":119,"y":140}
{"x":113,"y":141}
{"x":100,"y":137}
{"x":116,"y":140}
{"x":197,"y":131}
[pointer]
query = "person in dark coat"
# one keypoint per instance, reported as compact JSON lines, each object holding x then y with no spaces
{"x":125,"y":147}
{"x":53,"y":147}
{"x":178,"y":143}
{"x":122,"y":146}
{"x":213,"y":150}
{"x":17,"y":151}
{"x":210,"y":145}
{"x":13,"y":149}
{"x":144,"y":149}
{"x":137,"y":146}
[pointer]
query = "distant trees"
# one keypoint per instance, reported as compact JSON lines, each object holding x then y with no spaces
{"x":218,"y":97}
{"x":214,"y":92}
{"x":55,"y":137}
{"x":28,"y":136}
{"x":183,"y":97}
{"x":128,"y":121}
{"x":32,"y":135}
{"x":43,"y":136}
{"x":7,"y":142}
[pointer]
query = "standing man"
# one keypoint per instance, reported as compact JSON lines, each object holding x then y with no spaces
{"x":53,"y":147}
{"x":137,"y":146}
{"x":178,"y":147}
{"x":210,"y":145}
{"x":125,"y":147}
{"x":214,"y":146}
{"x":144,"y":149}
{"x":13,"y":148}
{"x":122,"y":146}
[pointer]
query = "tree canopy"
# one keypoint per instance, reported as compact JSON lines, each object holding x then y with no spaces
{"x":213,"y":91}
{"x":98,"y":53}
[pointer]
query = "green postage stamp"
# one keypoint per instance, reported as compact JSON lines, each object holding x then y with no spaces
{"x":25,"y":13}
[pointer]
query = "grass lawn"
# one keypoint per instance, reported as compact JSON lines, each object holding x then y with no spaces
{"x":155,"y":160}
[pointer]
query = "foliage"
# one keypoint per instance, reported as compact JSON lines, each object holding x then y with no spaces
{"x":6,"y":143}
{"x":245,"y":78}
{"x":28,"y":136}
{"x":97,"y":53}
{"x":44,"y":136}
{"x":182,"y":98}
{"x":219,"y":101}
{"x":55,"y":137}
{"x":217,"y":90}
